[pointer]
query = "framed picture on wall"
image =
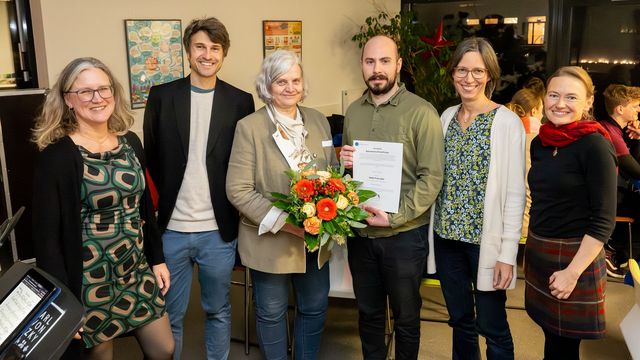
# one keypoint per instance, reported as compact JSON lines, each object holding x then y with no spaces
{"x":154,"y":55}
{"x":282,"y":34}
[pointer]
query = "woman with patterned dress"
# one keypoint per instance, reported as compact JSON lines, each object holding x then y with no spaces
{"x":573,"y":208}
{"x":93,"y":222}
{"x":476,"y":220}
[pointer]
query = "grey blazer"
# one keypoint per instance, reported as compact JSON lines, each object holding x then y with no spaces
{"x":256,"y":168}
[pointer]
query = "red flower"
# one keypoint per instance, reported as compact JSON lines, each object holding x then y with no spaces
{"x":326,"y":209}
{"x":336,"y":185}
{"x":304,"y":188}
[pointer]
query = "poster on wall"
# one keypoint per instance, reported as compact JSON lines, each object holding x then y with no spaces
{"x":280,"y":34}
{"x":154,"y":55}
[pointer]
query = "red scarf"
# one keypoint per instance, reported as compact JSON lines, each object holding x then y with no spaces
{"x":561,"y":136}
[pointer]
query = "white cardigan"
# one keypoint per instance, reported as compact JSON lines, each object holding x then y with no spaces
{"x":504,"y":198}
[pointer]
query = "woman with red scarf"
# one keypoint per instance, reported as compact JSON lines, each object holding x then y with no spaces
{"x":573,"y":192}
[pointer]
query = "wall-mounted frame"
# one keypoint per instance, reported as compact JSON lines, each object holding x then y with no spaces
{"x":154,"y":55}
{"x":282,"y":34}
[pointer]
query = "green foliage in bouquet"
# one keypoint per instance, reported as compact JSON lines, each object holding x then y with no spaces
{"x":325,"y":204}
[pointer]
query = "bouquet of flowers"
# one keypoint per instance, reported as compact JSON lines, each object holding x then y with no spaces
{"x":325,"y":204}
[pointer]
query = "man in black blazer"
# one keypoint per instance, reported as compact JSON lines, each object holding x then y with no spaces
{"x":188,"y":133}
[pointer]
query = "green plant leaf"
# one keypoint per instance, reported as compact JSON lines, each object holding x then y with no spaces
{"x":357,"y":225}
{"x":311,"y":241}
{"x":280,"y":196}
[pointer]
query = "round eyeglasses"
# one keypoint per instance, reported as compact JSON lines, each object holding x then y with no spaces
{"x":462,"y":72}
{"x":87,"y":95}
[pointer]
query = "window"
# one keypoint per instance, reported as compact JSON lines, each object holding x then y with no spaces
{"x":535,"y":30}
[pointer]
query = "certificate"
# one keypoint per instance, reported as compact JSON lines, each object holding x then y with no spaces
{"x":379,"y":166}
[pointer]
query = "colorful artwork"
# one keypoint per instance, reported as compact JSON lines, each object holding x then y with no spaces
{"x":285,"y":35}
{"x":154,"y":53}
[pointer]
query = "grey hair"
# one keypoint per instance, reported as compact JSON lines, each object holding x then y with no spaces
{"x":274,"y":66}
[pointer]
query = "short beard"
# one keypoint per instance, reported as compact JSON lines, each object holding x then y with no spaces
{"x":381,"y":90}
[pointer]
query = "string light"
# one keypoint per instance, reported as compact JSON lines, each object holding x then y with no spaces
{"x":607,"y":61}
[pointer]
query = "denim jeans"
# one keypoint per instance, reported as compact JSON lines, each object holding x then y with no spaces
{"x":271,"y":295}
{"x":390,"y":266}
{"x":457,"y":263}
{"x":215,"y":259}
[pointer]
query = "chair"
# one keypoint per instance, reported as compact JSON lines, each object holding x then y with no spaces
{"x":630,"y":325}
{"x":247,"y":302}
{"x":628,"y":221}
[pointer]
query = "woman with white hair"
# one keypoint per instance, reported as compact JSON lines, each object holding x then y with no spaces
{"x":280,"y":136}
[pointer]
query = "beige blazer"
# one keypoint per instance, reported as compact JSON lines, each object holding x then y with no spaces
{"x":256,"y":169}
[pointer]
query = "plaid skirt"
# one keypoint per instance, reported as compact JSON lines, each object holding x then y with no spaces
{"x":582,"y":314}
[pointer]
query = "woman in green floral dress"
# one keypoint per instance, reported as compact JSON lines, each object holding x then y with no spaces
{"x":94,"y":225}
{"x":477,"y":218}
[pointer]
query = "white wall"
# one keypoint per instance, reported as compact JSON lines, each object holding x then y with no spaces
{"x":75,"y":28}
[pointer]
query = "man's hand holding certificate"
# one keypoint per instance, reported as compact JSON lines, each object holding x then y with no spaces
{"x":379,"y":166}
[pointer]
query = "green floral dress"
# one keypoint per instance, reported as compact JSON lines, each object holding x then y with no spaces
{"x":119,"y":290}
{"x":460,"y":204}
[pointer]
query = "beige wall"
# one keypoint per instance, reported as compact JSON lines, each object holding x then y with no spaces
{"x":6,"y":52}
{"x":74,"y":28}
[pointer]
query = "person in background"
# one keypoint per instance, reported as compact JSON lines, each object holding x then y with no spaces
{"x":188,"y":132}
{"x":527,"y":104}
{"x":387,"y":258}
{"x":280,"y":136}
{"x":94,"y":226}
{"x":477,"y":219}
{"x":622,"y":104}
{"x":573,"y":208}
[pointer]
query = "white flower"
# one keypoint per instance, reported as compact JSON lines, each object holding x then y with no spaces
{"x":324,"y":175}
{"x":309,"y":209}
{"x":342,"y":202}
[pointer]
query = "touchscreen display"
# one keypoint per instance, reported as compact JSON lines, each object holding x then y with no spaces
{"x":22,"y":300}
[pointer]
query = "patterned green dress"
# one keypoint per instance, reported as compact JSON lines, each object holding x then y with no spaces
{"x":119,"y":290}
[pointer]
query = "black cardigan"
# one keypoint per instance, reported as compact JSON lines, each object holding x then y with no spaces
{"x":57,"y":233}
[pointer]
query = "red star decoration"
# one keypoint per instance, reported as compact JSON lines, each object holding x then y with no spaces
{"x":436,"y":43}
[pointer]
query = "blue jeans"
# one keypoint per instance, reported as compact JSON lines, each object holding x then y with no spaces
{"x":271,"y":294}
{"x":215,"y":259}
{"x":458,"y":270}
{"x":389,"y":266}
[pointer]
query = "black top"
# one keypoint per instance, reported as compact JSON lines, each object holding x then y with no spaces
{"x":167,"y":118}
{"x":574,"y":192}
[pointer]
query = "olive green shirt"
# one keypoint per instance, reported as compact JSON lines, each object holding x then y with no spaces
{"x":412,"y":121}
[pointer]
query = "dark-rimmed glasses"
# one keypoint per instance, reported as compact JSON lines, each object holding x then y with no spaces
{"x":87,"y":95}
{"x":462,"y":72}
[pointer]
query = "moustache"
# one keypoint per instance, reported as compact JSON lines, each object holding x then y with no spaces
{"x":378,"y":77}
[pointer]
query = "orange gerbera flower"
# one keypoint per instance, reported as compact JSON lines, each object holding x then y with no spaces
{"x":336,"y":184}
{"x":304,"y":188}
{"x":326,"y":209}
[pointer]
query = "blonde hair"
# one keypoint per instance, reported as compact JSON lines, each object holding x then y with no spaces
{"x":523,"y":101}
{"x":580,"y":74}
{"x":57,"y":120}
{"x":616,"y":95}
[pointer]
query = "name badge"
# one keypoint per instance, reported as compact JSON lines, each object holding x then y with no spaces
{"x":327,"y":143}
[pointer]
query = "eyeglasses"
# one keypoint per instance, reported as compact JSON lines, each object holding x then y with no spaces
{"x":87,"y":95}
{"x":461,"y":72}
